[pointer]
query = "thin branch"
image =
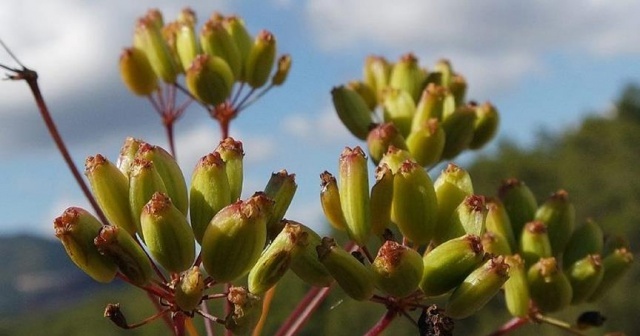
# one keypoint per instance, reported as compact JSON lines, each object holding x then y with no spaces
{"x":510,"y":326}
{"x":303,"y":311}
{"x":383,"y":323}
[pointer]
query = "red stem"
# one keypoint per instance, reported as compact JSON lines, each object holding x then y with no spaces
{"x":301,"y":314}
{"x":383,"y":323}
{"x":510,"y":326}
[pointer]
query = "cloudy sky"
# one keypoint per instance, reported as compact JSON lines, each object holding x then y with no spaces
{"x":544,"y":64}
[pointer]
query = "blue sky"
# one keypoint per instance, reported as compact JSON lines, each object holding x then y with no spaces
{"x":544,"y":64}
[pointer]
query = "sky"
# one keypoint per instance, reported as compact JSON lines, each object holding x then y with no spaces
{"x":544,"y":64}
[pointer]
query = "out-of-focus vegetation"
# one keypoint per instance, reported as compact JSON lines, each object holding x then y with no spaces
{"x":597,"y":162}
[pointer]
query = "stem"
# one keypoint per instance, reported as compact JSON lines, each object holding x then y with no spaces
{"x":510,"y":326}
{"x":383,"y":323}
{"x":207,"y":322}
{"x":168,"y":126}
{"x":178,"y":324}
{"x":266,"y":304}
{"x":303,"y":311}
{"x":228,"y":307}
{"x":149,"y":319}
{"x":191,"y":329}
{"x":557,"y":323}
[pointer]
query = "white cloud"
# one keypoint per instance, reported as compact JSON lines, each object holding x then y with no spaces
{"x":319,"y":128}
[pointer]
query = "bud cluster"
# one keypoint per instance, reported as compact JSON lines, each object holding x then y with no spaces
{"x":409,"y":107}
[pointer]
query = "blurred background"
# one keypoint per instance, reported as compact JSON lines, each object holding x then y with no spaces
{"x":564,"y":77}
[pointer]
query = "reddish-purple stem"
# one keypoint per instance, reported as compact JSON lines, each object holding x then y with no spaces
{"x":301,"y":314}
{"x":383,"y":323}
{"x":510,"y":326}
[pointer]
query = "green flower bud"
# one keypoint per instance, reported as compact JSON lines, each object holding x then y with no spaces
{"x":458,"y":88}
{"x":585,"y":275}
{"x":128,"y":155}
{"x":486,"y":125}
{"x":414,"y":206}
{"x":516,"y":289}
{"x":242,"y":39}
{"x":444,"y":68}
{"x":76,"y":228}
{"x":376,"y":74}
{"x":548,"y":285}
{"x":559,"y":216}
{"x":144,"y":181}
{"x":585,"y":240}
{"x":430,"y":106}
{"x":353,"y":277}
{"x":427,"y":143}
{"x":451,"y":187}
{"x":167,"y":233}
{"x":170,"y":35}
{"x":235,"y":237}
{"x":187,"y":46}
{"x":124,"y":251}
{"x":354,"y":194}
{"x":534,"y":242}
{"x":232,"y":154}
{"x":352,"y":111}
{"x":498,"y":222}
{"x":209,"y":192}
{"x":397,"y":269}
{"x":519,"y":202}
{"x":381,"y":200}
{"x":187,"y":15}
{"x":278,"y":256}
{"x":394,"y":158}
{"x":615,"y":265}
{"x":155,"y":17}
{"x":280,"y":188}
{"x":282,"y":70}
{"x":469,"y":217}
{"x":216,"y":41}
{"x":306,"y":265}
{"x":170,"y":172}
{"x":478,"y":288}
{"x":407,"y":75}
{"x":189,"y":289}
{"x":448,"y":264}
{"x":136,"y":72}
{"x":260,"y":60}
{"x":458,"y":128}
{"x":247,"y":309}
{"x":614,"y":242}
{"x":495,"y":244}
{"x":209,"y":79}
{"x":366,"y":92}
{"x":111,"y":191}
{"x":330,"y":201}
{"x":398,"y":108}
{"x":381,"y":137}
{"x":148,"y":37}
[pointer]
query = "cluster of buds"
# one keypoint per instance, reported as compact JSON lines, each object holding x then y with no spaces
{"x":148,"y":208}
{"x":213,"y":60}
{"x":424,"y":112}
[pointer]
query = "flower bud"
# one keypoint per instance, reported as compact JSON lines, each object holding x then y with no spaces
{"x":111,"y":191}
{"x":519,"y":202}
{"x":167,"y":234}
{"x":430,"y":106}
{"x":136,"y":72}
{"x":354,"y":194}
{"x":381,"y":137}
{"x":498,"y":222}
{"x":559,"y":216}
{"x":448,"y":264}
{"x":280,"y":188}
{"x":76,"y":228}
{"x":169,"y":172}
{"x":585,"y":240}
{"x":398,"y":108}
{"x":209,"y":192}
{"x":128,"y":155}
{"x":614,"y":242}
{"x":458,"y":128}
{"x":189,"y":289}
{"x":381,"y":200}
{"x":549,"y":287}
{"x":260,"y":60}
{"x":394,"y":158}
{"x":366,"y":92}
{"x":451,"y":187}
{"x":148,"y":37}
{"x":235,"y":237}
{"x":516,"y":289}
{"x":124,"y":251}
{"x":144,"y":181}
{"x":376,"y":74}
{"x":397,"y":269}
{"x":330,"y":201}
{"x":282,"y":70}
{"x":352,"y":111}
{"x":585,"y":276}
{"x":414,"y":206}
{"x":495,"y":244}
{"x":444,"y":68}
{"x":187,"y":46}
{"x":240,"y":36}
{"x":306,"y":265}
{"x":478,"y":288}
{"x":216,"y":41}
{"x":353,"y":277}
{"x":458,"y":88}
{"x":485,"y":126}
{"x":427,"y":143}
{"x":209,"y":79}
{"x":615,"y":265}
{"x":170,"y":35}
{"x":232,"y":154}
{"x":534,"y":242}
{"x":247,"y":309}
{"x":469,"y":217}
{"x":278,"y":256}
{"x":407,"y":75}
